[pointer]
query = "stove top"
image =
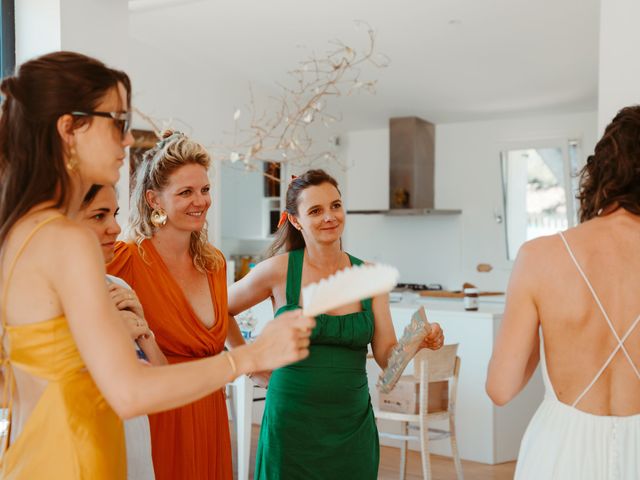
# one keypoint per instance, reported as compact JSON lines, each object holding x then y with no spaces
{"x":418,"y":286}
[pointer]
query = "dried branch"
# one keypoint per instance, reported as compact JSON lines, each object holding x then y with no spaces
{"x":283,"y":135}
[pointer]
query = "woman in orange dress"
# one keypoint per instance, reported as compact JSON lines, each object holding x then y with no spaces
{"x":180,"y":280}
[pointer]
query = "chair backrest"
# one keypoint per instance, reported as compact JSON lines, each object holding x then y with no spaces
{"x":437,"y":366}
{"x":440,"y":364}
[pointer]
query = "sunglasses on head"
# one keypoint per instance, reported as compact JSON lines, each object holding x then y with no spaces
{"x":122,"y":120}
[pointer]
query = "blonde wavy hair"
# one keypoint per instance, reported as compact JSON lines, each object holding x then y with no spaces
{"x":173,"y":151}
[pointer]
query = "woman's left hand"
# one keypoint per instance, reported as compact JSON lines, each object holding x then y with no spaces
{"x":435,"y":339}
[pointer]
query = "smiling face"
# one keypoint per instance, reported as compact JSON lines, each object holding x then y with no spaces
{"x":186,"y":198}
{"x":100,"y":216}
{"x":100,"y":144}
{"x":320,"y":215}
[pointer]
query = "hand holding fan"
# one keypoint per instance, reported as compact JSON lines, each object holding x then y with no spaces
{"x":348,"y":286}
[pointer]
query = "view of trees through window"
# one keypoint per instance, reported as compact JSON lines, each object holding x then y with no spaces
{"x":540,"y":186}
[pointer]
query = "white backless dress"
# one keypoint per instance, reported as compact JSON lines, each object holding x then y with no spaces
{"x":565,"y":443}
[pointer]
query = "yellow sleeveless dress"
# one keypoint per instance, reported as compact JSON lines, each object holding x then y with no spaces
{"x":72,"y":432}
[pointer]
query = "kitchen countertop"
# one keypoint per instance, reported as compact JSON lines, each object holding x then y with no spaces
{"x":487,"y":309}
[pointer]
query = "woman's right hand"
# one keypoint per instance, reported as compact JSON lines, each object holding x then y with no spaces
{"x":282,"y":341}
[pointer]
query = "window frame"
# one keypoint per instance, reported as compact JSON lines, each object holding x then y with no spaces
{"x":7,"y":38}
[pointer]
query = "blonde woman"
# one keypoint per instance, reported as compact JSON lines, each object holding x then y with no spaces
{"x":181,"y":281}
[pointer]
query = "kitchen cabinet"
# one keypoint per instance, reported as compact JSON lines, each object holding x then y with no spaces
{"x":367,"y":176}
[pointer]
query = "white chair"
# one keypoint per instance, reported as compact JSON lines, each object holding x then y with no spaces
{"x":429,"y":366}
{"x":240,"y":404}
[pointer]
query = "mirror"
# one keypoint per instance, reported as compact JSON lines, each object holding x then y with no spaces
{"x":539,"y":184}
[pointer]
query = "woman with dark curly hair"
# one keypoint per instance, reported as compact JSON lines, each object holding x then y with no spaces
{"x":572,"y":305}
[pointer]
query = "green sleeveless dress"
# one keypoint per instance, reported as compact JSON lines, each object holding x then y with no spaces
{"x":318,"y":421}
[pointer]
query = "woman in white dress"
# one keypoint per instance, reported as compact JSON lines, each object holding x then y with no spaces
{"x":573,"y":306}
{"x":98,"y":212}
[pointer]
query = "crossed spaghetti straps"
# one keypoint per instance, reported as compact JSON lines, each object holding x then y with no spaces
{"x":620,"y":340}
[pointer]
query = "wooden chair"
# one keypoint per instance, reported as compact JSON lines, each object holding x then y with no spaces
{"x":429,"y":366}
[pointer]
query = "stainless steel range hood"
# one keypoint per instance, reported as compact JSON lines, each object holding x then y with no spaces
{"x":411,"y":169}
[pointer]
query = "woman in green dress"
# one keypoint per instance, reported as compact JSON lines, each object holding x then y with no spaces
{"x":318,"y":421}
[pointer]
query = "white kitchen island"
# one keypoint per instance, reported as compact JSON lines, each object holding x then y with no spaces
{"x":486,"y":433}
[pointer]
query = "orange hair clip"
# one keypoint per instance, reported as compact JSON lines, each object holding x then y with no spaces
{"x":283,"y":219}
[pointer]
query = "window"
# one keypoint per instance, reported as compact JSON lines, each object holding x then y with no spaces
{"x":539,"y":189}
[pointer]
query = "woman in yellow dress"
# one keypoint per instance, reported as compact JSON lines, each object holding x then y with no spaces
{"x":69,"y":368}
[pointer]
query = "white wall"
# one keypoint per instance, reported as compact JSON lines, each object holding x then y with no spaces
{"x":242,"y":194}
{"x":41,"y":16}
{"x":619,"y":69}
{"x":179,"y":96}
{"x":447,"y":249}
{"x":93,"y":27}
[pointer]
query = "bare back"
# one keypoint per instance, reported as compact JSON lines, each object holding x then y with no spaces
{"x":578,"y":340}
{"x":30,"y":296}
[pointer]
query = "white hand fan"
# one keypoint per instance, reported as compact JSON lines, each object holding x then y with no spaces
{"x":347,"y":286}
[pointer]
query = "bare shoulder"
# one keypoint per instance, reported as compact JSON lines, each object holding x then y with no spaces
{"x":59,"y":249}
{"x":274,"y":267}
{"x":51,"y":235}
{"x":537,"y":259}
{"x":64,"y":243}
{"x":540,"y":250}
{"x":67,"y":235}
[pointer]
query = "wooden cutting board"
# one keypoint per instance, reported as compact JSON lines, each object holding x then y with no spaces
{"x":452,"y":294}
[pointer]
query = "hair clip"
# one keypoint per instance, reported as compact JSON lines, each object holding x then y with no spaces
{"x":283,"y":219}
{"x":293,"y":177}
{"x":163,"y":142}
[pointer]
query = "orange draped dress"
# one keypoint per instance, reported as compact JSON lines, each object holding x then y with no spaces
{"x":190,"y":442}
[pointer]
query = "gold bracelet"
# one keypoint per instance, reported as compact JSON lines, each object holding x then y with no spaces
{"x":232,"y":362}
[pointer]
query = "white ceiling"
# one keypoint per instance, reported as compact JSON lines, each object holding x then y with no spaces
{"x":451,"y":60}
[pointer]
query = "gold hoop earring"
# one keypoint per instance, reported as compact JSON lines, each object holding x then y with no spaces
{"x":158,"y":217}
{"x":72,"y":161}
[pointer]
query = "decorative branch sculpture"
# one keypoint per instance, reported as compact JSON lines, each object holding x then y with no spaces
{"x":283,"y":134}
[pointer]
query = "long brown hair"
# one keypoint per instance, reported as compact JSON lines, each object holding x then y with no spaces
{"x":612,"y":174}
{"x":32,"y":168}
{"x":175,"y":150}
{"x":287,"y":238}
